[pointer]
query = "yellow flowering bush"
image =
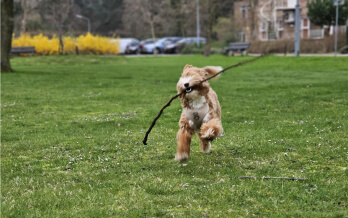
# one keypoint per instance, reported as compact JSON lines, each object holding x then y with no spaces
{"x":90,"y":44}
{"x":45,"y":46}
{"x":85,"y":44}
{"x":69,"y":45}
{"x":24,"y":40}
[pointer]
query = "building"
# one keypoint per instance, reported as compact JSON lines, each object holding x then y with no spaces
{"x":272,"y":20}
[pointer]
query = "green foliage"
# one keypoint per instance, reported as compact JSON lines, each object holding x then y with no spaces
{"x":192,"y":49}
{"x":225,"y":30}
{"x":344,"y":50}
{"x":72,"y":128}
{"x":216,"y":48}
{"x":323,"y":12}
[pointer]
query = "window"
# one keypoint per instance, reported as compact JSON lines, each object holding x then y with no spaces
{"x":291,"y":3}
{"x":305,"y":27}
{"x":242,"y":36}
{"x":263,"y":30}
{"x":244,"y":11}
{"x":280,"y":24}
{"x":280,"y":28}
{"x":305,"y":23}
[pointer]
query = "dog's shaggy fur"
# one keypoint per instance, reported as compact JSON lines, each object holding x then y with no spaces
{"x":201,"y":112}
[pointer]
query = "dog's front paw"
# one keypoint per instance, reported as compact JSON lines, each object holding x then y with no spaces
{"x":181,"y":156}
{"x":206,"y":118}
{"x":191,"y":123}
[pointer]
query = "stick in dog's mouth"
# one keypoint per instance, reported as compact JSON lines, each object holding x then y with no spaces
{"x":189,"y":89}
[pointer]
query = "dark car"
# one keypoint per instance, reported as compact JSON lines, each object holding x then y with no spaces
{"x":128,"y":46}
{"x":133,"y":47}
{"x":161,"y":43}
{"x":170,"y":47}
{"x":180,"y":44}
{"x":147,"y":46}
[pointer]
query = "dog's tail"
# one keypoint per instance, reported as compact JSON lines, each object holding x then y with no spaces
{"x":212,"y":70}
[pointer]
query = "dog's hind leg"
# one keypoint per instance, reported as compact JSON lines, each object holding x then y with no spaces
{"x":184,"y":140}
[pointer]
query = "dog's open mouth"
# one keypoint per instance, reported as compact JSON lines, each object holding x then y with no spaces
{"x":188,"y":90}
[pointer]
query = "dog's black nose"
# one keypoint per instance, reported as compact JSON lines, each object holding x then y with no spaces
{"x":186,"y":84}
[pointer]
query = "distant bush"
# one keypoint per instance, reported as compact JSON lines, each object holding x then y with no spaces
{"x":192,"y":49}
{"x":344,"y":50}
{"x":41,"y":43}
{"x":308,"y":46}
{"x":90,"y":44}
{"x":84,"y":44}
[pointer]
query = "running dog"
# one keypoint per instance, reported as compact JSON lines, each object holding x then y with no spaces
{"x":201,"y":111}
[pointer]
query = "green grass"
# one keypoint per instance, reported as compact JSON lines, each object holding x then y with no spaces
{"x":72,"y":130}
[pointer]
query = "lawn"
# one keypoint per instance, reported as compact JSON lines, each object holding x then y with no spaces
{"x":72,"y":130}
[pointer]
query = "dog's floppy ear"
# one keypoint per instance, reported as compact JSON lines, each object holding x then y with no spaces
{"x":211,"y":70}
{"x":187,"y":66}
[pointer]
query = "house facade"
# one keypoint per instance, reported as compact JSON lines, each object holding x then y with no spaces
{"x":272,"y":20}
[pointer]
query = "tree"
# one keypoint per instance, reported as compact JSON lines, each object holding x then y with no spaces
{"x":24,"y":18}
{"x":323,"y":12}
{"x":27,"y":8}
{"x":105,"y":16}
{"x":60,"y":15}
{"x":6,"y":34}
{"x":145,"y":18}
{"x":209,"y":17}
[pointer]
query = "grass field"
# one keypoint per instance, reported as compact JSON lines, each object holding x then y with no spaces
{"x":72,"y":130}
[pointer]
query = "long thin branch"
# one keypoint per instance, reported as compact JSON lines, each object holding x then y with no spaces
{"x":284,"y":178}
{"x":158,"y":116}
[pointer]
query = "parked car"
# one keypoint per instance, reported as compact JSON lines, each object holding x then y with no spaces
{"x":159,"y":45}
{"x":171,"y":46}
{"x":129,"y":46}
{"x":179,"y":45}
{"x":193,"y":40}
{"x":147,"y":46}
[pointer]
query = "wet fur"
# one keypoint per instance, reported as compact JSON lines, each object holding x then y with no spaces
{"x":201,"y":97}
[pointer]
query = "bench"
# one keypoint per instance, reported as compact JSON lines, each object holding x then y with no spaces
{"x":237,"y":46}
{"x":19,"y":50}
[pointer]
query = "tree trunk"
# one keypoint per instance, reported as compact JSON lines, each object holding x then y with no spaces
{"x":152,"y":27}
{"x":327,"y":31}
{"x":6,"y":34}
{"x":61,"y":44}
{"x":24,"y":18}
{"x":212,"y":7}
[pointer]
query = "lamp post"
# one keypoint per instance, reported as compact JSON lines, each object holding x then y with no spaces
{"x":197,"y":21}
{"x":297,"y":28}
{"x":337,"y":3}
{"x":85,"y":18}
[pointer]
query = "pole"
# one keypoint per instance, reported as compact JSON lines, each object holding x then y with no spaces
{"x":197,"y":20}
{"x":89,"y":25}
{"x":297,"y":29}
{"x":88,"y":21}
{"x":336,"y":28}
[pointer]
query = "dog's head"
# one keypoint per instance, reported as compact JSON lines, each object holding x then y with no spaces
{"x":190,"y":79}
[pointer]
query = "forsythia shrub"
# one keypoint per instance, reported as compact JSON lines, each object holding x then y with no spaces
{"x":24,"y":40}
{"x":69,"y":45}
{"x":87,"y":44}
{"x":90,"y":44}
{"x":45,"y":46}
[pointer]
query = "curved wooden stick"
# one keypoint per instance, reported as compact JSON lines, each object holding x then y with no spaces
{"x":158,"y":116}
